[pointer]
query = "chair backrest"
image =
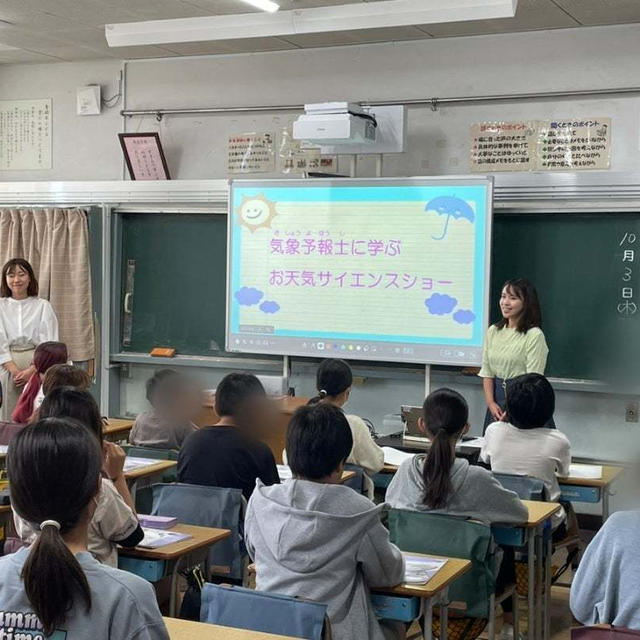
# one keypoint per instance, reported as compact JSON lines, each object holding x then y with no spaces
{"x":260,"y":611}
{"x":207,"y":507}
{"x":604,"y":632}
{"x":357,"y":482}
{"x":443,"y":535}
{"x":8,"y":430}
{"x":527,"y":487}
{"x":150,"y":452}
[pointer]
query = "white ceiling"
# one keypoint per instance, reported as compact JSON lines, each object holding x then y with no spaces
{"x":63,"y":30}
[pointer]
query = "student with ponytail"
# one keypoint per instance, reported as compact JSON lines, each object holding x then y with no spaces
{"x":334,"y":380}
{"x":440,"y":482}
{"x":56,"y":585}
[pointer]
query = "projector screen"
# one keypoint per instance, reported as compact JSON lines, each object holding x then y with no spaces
{"x":389,"y":269}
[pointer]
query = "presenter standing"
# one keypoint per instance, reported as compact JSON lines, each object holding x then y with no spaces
{"x":25,"y":322}
{"x":514,"y":345}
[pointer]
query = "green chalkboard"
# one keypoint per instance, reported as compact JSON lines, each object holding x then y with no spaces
{"x":178,"y":264}
{"x":576,"y":263}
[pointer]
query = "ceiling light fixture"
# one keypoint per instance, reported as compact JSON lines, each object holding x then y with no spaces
{"x":265,"y":5}
{"x":364,"y":15}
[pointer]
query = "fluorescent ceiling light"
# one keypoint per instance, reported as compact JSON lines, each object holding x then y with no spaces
{"x":265,"y":5}
{"x":365,"y":15}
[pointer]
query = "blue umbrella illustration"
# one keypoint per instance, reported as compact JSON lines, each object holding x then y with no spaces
{"x":451,"y":207}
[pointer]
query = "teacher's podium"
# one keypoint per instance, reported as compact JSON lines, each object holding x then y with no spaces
{"x":275,"y":438}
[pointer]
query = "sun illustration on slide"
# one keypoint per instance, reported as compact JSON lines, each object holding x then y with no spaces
{"x":255,"y":212}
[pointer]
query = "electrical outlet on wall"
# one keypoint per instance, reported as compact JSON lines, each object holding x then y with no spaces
{"x":631,"y":412}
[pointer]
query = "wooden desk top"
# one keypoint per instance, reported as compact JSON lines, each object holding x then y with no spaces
{"x":539,"y":512}
{"x":5,"y":508}
{"x":609,"y":474}
{"x":187,"y":630}
{"x":157,"y":467}
{"x":200,"y":537}
{"x":117,"y":425}
{"x":346,"y":476}
{"x":453,"y":568}
{"x":284,"y":404}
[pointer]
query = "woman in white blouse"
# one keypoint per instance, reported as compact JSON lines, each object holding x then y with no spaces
{"x":25,"y":322}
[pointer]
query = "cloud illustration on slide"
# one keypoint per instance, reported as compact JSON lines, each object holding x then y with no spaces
{"x":440,"y":304}
{"x":464,"y":316}
{"x":269,"y":306}
{"x":248,"y":296}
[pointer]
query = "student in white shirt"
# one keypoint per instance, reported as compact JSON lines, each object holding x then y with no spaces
{"x":522,"y":445}
{"x":114,"y":518}
{"x":56,"y":588}
{"x":334,"y":379}
{"x":25,"y":322}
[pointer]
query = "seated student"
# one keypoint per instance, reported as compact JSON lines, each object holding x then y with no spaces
{"x":523,"y":445}
{"x":45,"y":355}
{"x":605,"y":588}
{"x":114,"y":518}
{"x":174,"y":401}
{"x":65,"y":375}
{"x":334,"y":380}
{"x":228,"y":454}
{"x":55,"y":588}
{"x":315,"y":538}
{"x":439,"y":482}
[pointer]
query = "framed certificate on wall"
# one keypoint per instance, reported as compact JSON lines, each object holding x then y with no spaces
{"x":144,"y":156}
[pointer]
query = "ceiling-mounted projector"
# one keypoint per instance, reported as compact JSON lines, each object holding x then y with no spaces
{"x":335,"y":123}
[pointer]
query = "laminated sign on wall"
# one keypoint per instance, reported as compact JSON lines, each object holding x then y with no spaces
{"x":541,"y":145}
{"x":25,"y":134}
{"x":251,"y":153}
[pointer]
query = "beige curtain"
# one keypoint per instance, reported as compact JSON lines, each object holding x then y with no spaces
{"x":56,"y":243}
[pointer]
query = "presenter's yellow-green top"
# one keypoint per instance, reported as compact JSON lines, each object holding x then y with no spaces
{"x":509,"y":353}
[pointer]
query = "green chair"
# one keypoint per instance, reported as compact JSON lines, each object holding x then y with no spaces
{"x":442,"y":535}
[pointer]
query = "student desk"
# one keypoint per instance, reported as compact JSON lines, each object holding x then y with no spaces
{"x":591,"y":490}
{"x":286,"y":407}
{"x":117,"y":429}
{"x":187,"y":630}
{"x":148,"y":473}
{"x":532,"y":534}
{"x":155,"y":564}
{"x":433,"y":592}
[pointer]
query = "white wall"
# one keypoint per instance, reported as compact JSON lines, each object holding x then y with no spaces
{"x":87,"y":148}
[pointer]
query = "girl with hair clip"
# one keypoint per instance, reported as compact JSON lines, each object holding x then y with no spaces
{"x":56,"y":588}
{"x":514,"y":345}
{"x":114,"y":519}
{"x":438,"y":482}
{"x":334,"y":379}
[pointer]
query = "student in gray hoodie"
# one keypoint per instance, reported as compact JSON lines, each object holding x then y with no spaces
{"x":314,"y":537}
{"x":606,"y":588}
{"x":439,"y":482}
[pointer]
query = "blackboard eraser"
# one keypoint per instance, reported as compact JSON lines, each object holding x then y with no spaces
{"x":162,"y":352}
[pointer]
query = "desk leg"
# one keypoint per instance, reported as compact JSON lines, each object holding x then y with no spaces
{"x":174,"y":588}
{"x":605,"y":504}
{"x":531,"y":576}
{"x":427,"y":632}
{"x":444,"y":613}
{"x":547,"y":591}
{"x":539,"y":581}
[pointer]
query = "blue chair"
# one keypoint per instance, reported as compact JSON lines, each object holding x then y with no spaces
{"x":527,"y":487}
{"x":456,"y":537}
{"x":357,"y":482}
{"x":265,"y":612}
{"x":204,"y":506}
